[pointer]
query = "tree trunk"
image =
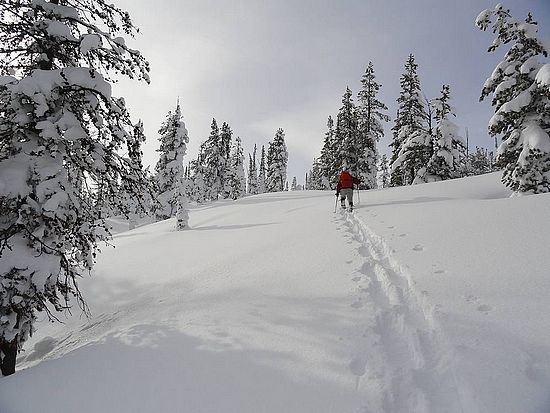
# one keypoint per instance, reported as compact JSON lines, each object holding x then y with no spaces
{"x":8,"y":357}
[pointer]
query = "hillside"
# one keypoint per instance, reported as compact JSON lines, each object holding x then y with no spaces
{"x":431,"y":298}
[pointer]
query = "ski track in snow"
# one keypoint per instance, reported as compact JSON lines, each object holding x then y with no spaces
{"x":403,"y":362}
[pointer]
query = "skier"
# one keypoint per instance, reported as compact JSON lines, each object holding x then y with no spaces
{"x":345,"y":188}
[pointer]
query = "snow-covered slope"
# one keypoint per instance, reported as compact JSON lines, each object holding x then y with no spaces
{"x":432,"y":298}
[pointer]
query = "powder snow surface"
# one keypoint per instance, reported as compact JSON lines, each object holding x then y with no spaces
{"x":432,"y":298}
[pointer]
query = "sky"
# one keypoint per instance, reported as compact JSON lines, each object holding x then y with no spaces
{"x":263,"y":65}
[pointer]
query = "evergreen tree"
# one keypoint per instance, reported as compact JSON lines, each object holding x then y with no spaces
{"x":252,"y":174}
{"x":226,"y":135}
{"x":294,"y":184}
{"x":135,"y":154}
{"x":445,"y":160}
{"x":61,"y":132}
{"x":480,"y":162}
{"x":412,"y":143}
{"x":169,"y":167}
{"x":197,"y":186}
{"x":236,"y":175}
{"x":262,"y":173}
{"x":384,"y":171}
{"x":346,"y":135}
{"x":520,"y":86}
{"x":277,"y":158}
{"x":315,"y":179}
{"x":370,"y":117}
{"x":213,"y":162}
{"x":328,"y":161}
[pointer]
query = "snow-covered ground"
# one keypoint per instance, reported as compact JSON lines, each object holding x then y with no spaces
{"x":432,"y":298}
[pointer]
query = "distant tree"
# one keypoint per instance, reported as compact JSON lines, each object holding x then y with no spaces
{"x":315,"y":179}
{"x":169,"y":167}
{"x":328,"y":162}
{"x":277,"y":158}
{"x":294,"y":184}
{"x":412,"y":143}
{"x":61,"y":133}
{"x":213,"y":162}
{"x":520,"y":86}
{"x":384,"y":171}
{"x":236,"y":175}
{"x":480,"y":162}
{"x":226,"y":136}
{"x":370,"y":127}
{"x":262,"y":173}
{"x":252,"y":173}
{"x":137,"y":138}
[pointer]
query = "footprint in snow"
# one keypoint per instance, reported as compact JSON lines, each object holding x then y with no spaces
{"x":418,"y":247}
{"x":402,"y":235}
{"x":484,"y":308}
{"x":391,"y":227}
{"x":440,"y":272}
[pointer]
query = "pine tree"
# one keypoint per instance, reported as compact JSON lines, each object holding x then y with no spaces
{"x":520,"y":86}
{"x":262,"y":173}
{"x":346,"y":135}
{"x":277,"y":158}
{"x":479,"y":162}
{"x":135,"y":154}
{"x":445,"y":160}
{"x":61,"y":132}
{"x":412,"y":143}
{"x":384,"y":171}
{"x":236,"y":175}
{"x":371,"y":115}
{"x":315,"y":179}
{"x":226,"y":136}
{"x":328,"y":162}
{"x":252,"y":174}
{"x":294,"y":184}
{"x":213,"y":162}
{"x":169,"y":167}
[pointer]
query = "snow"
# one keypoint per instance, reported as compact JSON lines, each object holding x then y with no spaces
{"x":90,"y":42}
{"x":543,"y":76}
{"x":428,"y":298}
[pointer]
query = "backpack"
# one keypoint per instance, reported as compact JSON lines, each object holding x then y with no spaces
{"x":346,"y":180}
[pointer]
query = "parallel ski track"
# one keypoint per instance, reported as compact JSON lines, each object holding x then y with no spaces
{"x":408,"y":362}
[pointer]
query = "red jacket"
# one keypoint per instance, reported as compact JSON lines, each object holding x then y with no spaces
{"x":346,"y":181}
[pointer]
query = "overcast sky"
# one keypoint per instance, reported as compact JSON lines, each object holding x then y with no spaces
{"x":261,"y":65}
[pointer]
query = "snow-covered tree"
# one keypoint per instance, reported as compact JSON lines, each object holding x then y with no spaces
{"x":61,"y":132}
{"x":412,"y":144}
{"x":262,"y":173}
{"x":384,"y":171}
{"x":169,"y":167}
{"x":236,"y":175}
{"x":346,"y":135}
{"x":370,"y":127}
{"x":277,"y":158}
{"x":137,"y":138}
{"x":252,"y":173}
{"x":294,"y":184}
{"x":328,"y":161}
{"x":520,"y":86}
{"x":226,"y":136}
{"x":315,"y":179}
{"x":213,"y":162}
{"x":445,"y":160}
